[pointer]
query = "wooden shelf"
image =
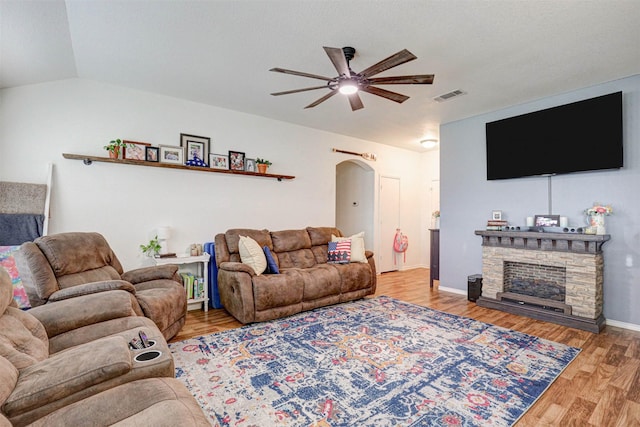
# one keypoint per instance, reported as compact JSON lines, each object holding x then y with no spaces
{"x":90,"y":159}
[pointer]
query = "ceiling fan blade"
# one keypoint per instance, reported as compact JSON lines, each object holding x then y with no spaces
{"x":301,"y":74}
{"x":390,"y":62}
{"x":355,"y":101}
{"x":287,"y":92}
{"x":422,"y":79}
{"x":324,"y":98}
{"x":336,"y":55}
{"x":393,"y":96}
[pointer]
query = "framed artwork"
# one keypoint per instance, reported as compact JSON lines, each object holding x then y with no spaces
{"x":496,"y":215}
{"x":151,"y":154}
{"x":236,"y":160}
{"x":547,"y":220}
{"x":250,"y":165}
{"x":195,"y":146}
{"x":134,"y":150}
{"x":171,"y":154}
{"x":218,"y":161}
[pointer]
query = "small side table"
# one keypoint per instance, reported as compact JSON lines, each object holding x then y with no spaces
{"x":434,"y":263}
{"x":203,"y":264}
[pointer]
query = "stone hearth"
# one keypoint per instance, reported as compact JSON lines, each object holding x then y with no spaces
{"x":578,"y":256}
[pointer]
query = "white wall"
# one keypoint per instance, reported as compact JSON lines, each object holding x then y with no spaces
{"x":467,"y":198}
{"x":127,"y":203}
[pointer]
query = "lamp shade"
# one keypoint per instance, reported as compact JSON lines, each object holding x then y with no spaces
{"x":164,"y":233}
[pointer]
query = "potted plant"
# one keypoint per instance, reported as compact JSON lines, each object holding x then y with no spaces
{"x":114,"y":147}
{"x":263,"y":165}
{"x":153,"y":248}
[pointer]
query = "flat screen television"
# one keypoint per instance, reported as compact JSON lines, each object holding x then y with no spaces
{"x":577,"y":137}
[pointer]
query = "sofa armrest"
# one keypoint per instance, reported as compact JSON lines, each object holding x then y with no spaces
{"x":237,"y":266}
{"x":64,"y":378}
{"x":84,"y":310}
{"x":368,"y":254}
{"x":158,"y":272}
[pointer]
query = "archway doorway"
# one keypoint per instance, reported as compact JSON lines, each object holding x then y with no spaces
{"x":355,"y":200}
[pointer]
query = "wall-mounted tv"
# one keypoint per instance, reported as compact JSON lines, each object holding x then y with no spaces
{"x":577,"y":137}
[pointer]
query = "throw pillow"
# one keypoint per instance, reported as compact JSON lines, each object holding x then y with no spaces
{"x":339,"y":252}
{"x":8,"y":262}
{"x":357,"y":246}
{"x":272,"y":267}
{"x":252,"y":255}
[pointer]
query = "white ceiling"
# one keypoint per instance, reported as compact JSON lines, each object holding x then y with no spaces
{"x":218,"y":52}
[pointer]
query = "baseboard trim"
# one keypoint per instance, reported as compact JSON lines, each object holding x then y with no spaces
{"x":452,"y":290}
{"x":623,"y":325}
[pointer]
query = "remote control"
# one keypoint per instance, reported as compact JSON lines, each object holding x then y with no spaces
{"x":143,"y":337}
{"x":136,"y":343}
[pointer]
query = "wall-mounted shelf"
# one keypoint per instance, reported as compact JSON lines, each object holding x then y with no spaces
{"x":90,"y":159}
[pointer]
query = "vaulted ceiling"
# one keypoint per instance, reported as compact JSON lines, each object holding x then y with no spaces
{"x":219,"y":52}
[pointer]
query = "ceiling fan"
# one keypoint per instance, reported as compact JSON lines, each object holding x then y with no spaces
{"x":350,"y":83}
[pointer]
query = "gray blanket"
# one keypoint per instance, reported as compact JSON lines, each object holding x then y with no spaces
{"x":15,"y":229}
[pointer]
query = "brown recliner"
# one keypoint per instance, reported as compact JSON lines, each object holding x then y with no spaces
{"x":66,"y":265}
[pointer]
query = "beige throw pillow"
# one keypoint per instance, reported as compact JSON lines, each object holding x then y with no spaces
{"x":357,"y":246}
{"x":251,"y":254}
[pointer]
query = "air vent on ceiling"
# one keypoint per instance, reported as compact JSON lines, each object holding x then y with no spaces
{"x":450,"y":95}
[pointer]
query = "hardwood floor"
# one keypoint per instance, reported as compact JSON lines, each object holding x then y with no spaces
{"x":601,"y":387}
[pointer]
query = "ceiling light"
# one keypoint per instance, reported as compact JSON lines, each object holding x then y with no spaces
{"x":429,"y":143}
{"x":348,"y":87}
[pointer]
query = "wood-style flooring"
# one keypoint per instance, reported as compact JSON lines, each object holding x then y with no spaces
{"x":601,"y":387}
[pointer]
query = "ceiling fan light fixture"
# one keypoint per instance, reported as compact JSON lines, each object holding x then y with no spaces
{"x":429,"y":143}
{"x":348,"y":87}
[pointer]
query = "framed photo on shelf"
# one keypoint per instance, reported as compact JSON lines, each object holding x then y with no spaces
{"x":250,"y":165}
{"x":151,"y":154}
{"x":496,"y":215}
{"x":547,"y":220}
{"x":236,"y":161}
{"x":195,"y":146}
{"x":134,"y":150}
{"x":172,"y":154}
{"x":218,"y":161}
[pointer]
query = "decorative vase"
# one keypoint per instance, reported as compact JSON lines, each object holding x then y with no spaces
{"x":437,"y":223}
{"x":115,"y":153}
{"x":597,"y":221}
{"x":262,"y":168}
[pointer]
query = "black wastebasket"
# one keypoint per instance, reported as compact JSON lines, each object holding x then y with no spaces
{"x":474,"y":287}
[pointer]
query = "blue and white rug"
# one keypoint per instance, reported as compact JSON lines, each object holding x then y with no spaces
{"x":374,"y":362}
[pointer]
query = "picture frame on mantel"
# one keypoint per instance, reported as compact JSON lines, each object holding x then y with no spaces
{"x":195,"y":146}
{"x":218,"y":161}
{"x":172,"y":154}
{"x":547,"y":220}
{"x":135,"y":150}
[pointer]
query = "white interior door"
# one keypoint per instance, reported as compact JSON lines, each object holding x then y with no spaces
{"x":389,"y":220}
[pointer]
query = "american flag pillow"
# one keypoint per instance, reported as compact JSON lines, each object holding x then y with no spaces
{"x":339,"y":252}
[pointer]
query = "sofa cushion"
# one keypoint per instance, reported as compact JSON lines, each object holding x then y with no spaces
{"x":290,"y":240}
{"x":320,"y":281}
{"x":232,"y":236}
{"x":322,"y":235}
{"x":277,"y":290}
{"x":272,"y":265}
{"x":8,"y":379}
{"x":251,"y":254}
{"x":23,"y":339}
{"x":357,"y":246}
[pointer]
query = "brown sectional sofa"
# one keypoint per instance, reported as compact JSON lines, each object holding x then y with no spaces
{"x":69,"y":363}
{"x":306,"y":280}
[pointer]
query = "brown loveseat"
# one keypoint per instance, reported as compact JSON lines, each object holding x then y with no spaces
{"x":306,"y":279}
{"x":69,"y":364}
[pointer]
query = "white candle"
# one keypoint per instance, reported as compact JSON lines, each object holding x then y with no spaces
{"x":529,"y":221}
{"x":564,"y":221}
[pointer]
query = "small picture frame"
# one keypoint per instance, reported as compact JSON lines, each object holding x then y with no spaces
{"x":218,"y":161}
{"x":250,"y":165}
{"x":151,"y":154}
{"x":236,"y":161}
{"x":547,"y":221}
{"x":195,"y":146}
{"x":134,"y":150}
{"x":172,"y":154}
{"x":496,"y":215}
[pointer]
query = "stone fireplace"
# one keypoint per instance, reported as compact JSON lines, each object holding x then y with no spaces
{"x":556,"y":277}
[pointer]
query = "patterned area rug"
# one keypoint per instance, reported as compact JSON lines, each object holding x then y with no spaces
{"x":373,"y":362}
